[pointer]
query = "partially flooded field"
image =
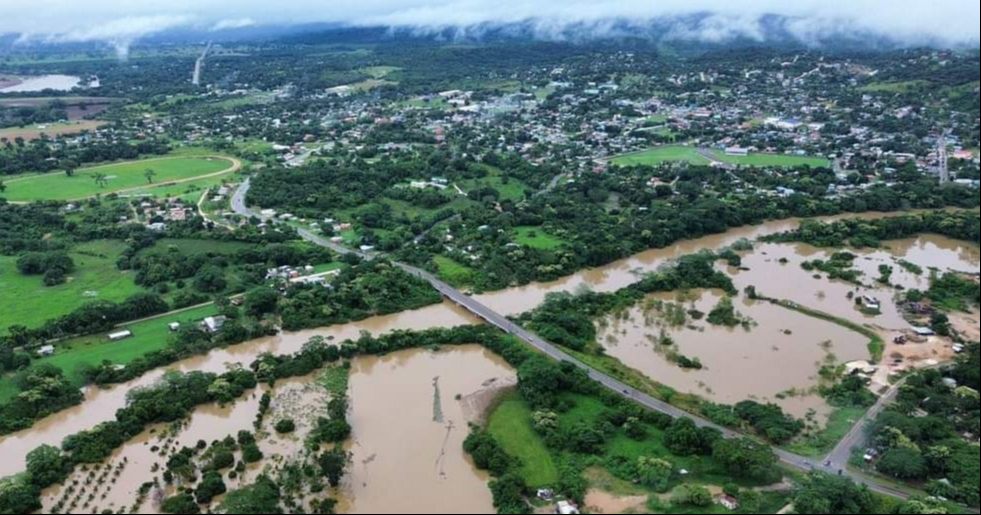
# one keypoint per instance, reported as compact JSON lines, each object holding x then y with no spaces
{"x":409,"y":413}
{"x":100,"y":405}
{"x":775,"y":359}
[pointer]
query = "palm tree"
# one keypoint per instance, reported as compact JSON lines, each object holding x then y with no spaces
{"x":149,"y":174}
{"x":100,"y":179}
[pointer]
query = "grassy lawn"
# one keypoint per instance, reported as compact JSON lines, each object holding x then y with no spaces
{"x":380,"y":72}
{"x":536,"y":238}
{"x":511,"y":426}
{"x":454,"y":273}
{"x":842,"y":421}
{"x":24,"y":300}
{"x":148,"y":336}
{"x":120,"y":176}
{"x":660,"y":155}
{"x":779,"y":160}
{"x":513,"y":189}
{"x":198,"y":246}
{"x":32,"y":132}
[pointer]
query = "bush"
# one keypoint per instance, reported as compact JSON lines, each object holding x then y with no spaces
{"x":285,"y":426}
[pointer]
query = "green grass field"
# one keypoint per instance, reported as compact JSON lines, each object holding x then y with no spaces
{"x":454,"y":273}
{"x":512,"y":190}
{"x":660,"y":155}
{"x":120,"y":177}
{"x":536,"y":238}
{"x":775,"y":160}
{"x":24,"y":300}
{"x":894,"y":87}
{"x":842,"y":421}
{"x":148,"y":336}
{"x":511,"y":426}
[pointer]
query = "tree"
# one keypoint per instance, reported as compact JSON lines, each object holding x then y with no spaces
{"x":149,"y":174}
{"x":655,"y":473}
{"x":743,"y":457}
{"x":211,"y":486}
{"x":210,"y":279}
{"x":180,"y":504}
{"x":47,"y":466}
{"x":261,"y":301}
{"x":332,"y":465}
{"x":684,"y":438}
{"x":3,"y":187}
{"x":285,"y":426}
{"x":923,"y":506}
{"x":903,"y":463}
{"x":261,"y":497}
{"x":17,"y":496}
{"x":832,"y":495}
{"x":692,"y":495}
{"x":101,"y":180}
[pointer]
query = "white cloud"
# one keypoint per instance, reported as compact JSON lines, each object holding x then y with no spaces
{"x":951,"y":21}
{"x":235,"y":23}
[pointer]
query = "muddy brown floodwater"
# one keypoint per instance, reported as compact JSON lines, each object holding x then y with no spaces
{"x":101,"y":405}
{"x":627,"y":271}
{"x":409,"y":426}
{"x":782,"y":352}
{"x":407,"y":444}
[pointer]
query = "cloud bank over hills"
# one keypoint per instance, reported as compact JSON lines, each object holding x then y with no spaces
{"x":122,"y":22}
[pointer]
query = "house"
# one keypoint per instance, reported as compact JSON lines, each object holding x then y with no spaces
{"x":546,"y":495}
{"x":924,"y":331}
{"x":737,"y":151}
{"x":174,"y":327}
{"x":728,"y":502}
{"x":566,"y":508}
{"x":119,"y":336}
{"x":47,"y":350}
{"x":870,"y":303}
{"x":213,"y":324}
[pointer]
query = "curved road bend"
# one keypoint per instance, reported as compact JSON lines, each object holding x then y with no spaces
{"x":501,"y":322}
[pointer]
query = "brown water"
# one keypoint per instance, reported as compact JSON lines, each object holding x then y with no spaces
{"x":408,"y":432}
{"x":422,"y":470}
{"x":101,"y":405}
{"x":790,"y":282}
{"x":781,"y":352}
{"x":625,"y":272}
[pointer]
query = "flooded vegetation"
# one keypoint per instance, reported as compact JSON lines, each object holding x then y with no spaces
{"x":100,"y":405}
{"x":406,"y":452}
{"x":774,"y":358}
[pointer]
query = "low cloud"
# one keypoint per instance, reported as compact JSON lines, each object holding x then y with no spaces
{"x":123,"y":21}
{"x":236,"y":23}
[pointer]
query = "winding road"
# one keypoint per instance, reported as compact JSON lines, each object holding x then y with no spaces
{"x":837,"y":460}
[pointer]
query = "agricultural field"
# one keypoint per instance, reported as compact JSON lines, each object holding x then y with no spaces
{"x":660,"y":155}
{"x":130,"y":176}
{"x":510,"y":189}
{"x":771,"y":160}
{"x":148,"y":336}
{"x":536,"y":238}
{"x":894,"y":87}
{"x":24,"y":300}
{"x":33,"y":132}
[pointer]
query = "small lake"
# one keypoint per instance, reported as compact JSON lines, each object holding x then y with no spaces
{"x":45,"y":82}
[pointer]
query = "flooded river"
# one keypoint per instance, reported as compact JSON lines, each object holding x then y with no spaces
{"x":101,"y":405}
{"x":789,"y":346}
{"x":409,"y":419}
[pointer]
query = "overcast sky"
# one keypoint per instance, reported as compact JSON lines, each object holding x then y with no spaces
{"x":954,"y":21}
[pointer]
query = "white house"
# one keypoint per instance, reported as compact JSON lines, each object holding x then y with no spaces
{"x":47,"y":350}
{"x":214,"y":324}
{"x":728,"y":502}
{"x":567,"y":508}
{"x":119,"y":336}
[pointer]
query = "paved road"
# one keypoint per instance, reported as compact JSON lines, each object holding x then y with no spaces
{"x":501,"y":322}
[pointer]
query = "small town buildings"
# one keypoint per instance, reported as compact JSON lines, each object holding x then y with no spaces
{"x":728,"y":502}
{"x":213,"y":324}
